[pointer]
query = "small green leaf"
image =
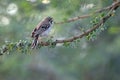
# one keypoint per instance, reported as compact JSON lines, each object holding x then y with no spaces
{"x":66,"y":44}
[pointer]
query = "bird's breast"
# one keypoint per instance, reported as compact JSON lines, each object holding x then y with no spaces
{"x":45,"y":33}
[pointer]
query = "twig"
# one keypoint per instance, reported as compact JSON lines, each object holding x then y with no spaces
{"x":74,"y":19}
{"x":86,"y":16}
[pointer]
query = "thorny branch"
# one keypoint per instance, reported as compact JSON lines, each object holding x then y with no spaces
{"x":114,"y":6}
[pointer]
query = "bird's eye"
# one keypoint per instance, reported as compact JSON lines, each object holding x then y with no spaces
{"x":43,"y":27}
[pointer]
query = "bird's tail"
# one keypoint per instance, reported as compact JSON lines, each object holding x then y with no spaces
{"x":35,"y":42}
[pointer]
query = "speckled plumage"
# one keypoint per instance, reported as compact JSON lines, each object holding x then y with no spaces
{"x":42,"y":29}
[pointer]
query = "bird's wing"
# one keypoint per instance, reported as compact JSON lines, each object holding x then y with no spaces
{"x":42,"y":28}
{"x":33,"y":33}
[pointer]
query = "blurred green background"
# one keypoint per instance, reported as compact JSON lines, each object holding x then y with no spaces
{"x":96,"y":59}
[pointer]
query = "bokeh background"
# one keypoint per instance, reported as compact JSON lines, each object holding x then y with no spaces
{"x":95,"y":59}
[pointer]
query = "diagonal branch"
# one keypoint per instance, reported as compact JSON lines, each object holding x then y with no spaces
{"x":86,"y":16}
{"x":102,"y":21}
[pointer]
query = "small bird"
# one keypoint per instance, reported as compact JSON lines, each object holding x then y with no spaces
{"x":42,"y":29}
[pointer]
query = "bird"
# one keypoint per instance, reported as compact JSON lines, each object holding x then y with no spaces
{"x":42,"y":29}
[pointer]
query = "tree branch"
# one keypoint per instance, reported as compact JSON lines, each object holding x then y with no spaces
{"x":22,"y":44}
{"x":86,"y":16}
{"x":102,"y":21}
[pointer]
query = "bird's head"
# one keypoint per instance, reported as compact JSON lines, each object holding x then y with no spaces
{"x":49,"y":19}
